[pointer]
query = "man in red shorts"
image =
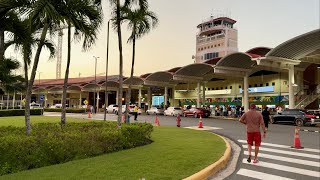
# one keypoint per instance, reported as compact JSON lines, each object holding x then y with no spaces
{"x":253,"y":120}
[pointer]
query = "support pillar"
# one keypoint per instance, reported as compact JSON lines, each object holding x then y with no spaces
{"x":198,"y":94}
{"x":1,"y":101}
{"x":140,"y":97}
{"x":291,"y":82}
{"x":20,"y":100}
{"x":117,"y":93}
{"x":14,"y":99}
{"x":8,"y":96}
{"x":97,"y":100}
{"x":204,"y":94}
{"x":149,"y":98}
{"x":245,"y":99}
{"x":165,"y":97}
{"x":173,"y":94}
{"x":80,"y":99}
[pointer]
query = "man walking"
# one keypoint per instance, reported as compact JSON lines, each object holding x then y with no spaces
{"x":135,"y":110}
{"x":253,"y":120}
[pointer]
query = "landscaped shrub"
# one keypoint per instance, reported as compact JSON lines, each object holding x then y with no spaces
{"x":67,"y":110}
{"x":19,"y":112}
{"x":49,"y":144}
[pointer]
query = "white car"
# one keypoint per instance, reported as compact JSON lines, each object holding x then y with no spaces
{"x":172,"y":111}
{"x":111,"y":108}
{"x":35,"y":106}
{"x":154,"y":110}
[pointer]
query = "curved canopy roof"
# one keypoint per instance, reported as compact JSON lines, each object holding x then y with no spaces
{"x":261,"y":51}
{"x":298,"y":47}
{"x":196,"y":70}
{"x":111,"y":84}
{"x":135,"y":81}
{"x":237,"y":60}
{"x":162,"y":76}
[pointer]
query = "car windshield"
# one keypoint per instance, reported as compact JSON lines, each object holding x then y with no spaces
{"x":177,"y":108}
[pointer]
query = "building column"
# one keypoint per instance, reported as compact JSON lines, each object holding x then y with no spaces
{"x":173,"y":94}
{"x":14,"y":99}
{"x":117,"y":93}
{"x":140,"y":96}
{"x":291,"y":82}
{"x":165,"y":96}
{"x":245,"y":100}
{"x":149,"y":98}
{"x":20,"y":100}
{"x":80,"y":99}
{"x":8,"y":96}
{"x":1,"y":101}
{"x":97,"y":100}
{"x":198,"y":94}
{"x":204,"y":94}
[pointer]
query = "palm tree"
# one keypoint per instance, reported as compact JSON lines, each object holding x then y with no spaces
{"x":140,"y":21}
{"x":85,"y":16}
{"x":44,"y":13}
{"x":8,"y":18}
{"x":117,"y":20}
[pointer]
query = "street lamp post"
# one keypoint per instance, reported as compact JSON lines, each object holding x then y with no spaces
{"x":106,"y":86}
{"x":95,"y":83}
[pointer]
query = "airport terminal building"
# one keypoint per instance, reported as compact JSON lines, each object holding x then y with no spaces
{"x":286,"y":75}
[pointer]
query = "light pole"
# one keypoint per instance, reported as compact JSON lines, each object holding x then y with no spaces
{"x":95,"y":83}
{"x":106,"y":86}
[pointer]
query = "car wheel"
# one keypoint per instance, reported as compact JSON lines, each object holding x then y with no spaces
{"x":147,"y":113}
{"x":299,"y":122}
{"x":272,"y":121}
{"x":313,"y":125}
{"x":184,"y":115}
{"x":195,"y":115}
{"x":172,"y":114}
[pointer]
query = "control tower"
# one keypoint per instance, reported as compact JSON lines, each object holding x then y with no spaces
{"x":216,"y":38}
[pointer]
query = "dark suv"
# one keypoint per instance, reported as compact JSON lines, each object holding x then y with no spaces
{"x":295,"y":116}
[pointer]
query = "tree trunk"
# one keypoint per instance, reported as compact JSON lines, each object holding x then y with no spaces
{"x":106,"y":85}
{"x":132,"y":69}
{"x":66,"y":76}
{"x":120,"y":66}
{"x":1,"y":44}
{"x":33,"y":75}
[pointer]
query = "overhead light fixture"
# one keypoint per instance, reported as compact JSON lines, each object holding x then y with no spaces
{"x":294,"y":85}
{"x":318,"y":66}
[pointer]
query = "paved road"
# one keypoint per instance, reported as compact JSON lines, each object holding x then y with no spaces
{"x":277,"y":159}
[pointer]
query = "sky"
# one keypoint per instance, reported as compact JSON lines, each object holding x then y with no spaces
{"x":172,"y":43}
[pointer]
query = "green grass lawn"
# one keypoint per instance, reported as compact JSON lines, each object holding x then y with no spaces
{"x":175,"y":153}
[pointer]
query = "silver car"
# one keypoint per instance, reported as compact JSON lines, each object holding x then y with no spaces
{"x":154,"y":110}
{"x":172,"y":111}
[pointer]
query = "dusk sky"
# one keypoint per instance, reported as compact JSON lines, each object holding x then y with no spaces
{"x":172,"y":43}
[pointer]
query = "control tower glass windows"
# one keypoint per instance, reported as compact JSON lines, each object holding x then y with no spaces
{"x":211,"y":55}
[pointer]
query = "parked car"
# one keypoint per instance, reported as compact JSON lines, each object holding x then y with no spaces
{"x":316,"y":113}
{"x":294,"y":116}
{"x":35,"y":106}
{"x":196,"y":112}
{"x":154,"y":110}
{"x":172,"y":111}
{"x":131,"y":109}
{"x":111,"y":108}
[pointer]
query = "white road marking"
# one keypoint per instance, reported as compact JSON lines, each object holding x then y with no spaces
{"x":286,"y":159}
{"x":260,"y":175}
{"x":283,"y":146}
{"x":286,"y":152}
{"x":285,"y":168}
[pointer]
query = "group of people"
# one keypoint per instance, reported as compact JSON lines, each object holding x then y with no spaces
{"x":255,"y":120}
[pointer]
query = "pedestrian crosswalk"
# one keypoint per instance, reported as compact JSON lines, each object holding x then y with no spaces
{"x":281,"y":162}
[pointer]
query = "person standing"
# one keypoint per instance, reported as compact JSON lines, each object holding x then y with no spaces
{"x":135,"y":110}
{"x":253,"y":121}
{"x":266,"y":117}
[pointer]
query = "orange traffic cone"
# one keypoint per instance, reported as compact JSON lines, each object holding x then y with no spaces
{"x":89,"y":115}
{"x":296,"y":140}
{"x":156,"y":121}
{"x":200,"y":122}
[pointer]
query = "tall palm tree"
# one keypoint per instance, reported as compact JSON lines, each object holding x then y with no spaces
{"x":44,"y":13}
{"x":7,"y":18}
{"x":140,"y":21}
{"x":116,"y":23}
{"x":85,"y":16}
{"x":25,"y":42}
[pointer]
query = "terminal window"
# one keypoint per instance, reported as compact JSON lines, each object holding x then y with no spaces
{"x":273,"y":83}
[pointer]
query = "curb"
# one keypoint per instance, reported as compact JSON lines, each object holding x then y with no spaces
{"x":215,"y":167}
{"x":307,"y":130}
{"x":224,"y":118}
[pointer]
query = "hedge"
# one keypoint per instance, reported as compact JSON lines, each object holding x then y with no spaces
{"x":49,"y":144}
{"x":67,"y":110}
{"x":20,"y":112}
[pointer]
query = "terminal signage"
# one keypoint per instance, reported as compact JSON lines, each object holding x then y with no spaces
{"x":260,"y":89}
{"x":157,"y":100}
